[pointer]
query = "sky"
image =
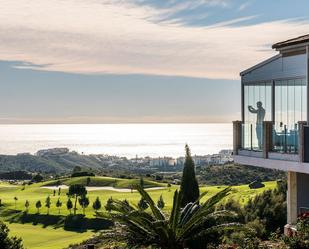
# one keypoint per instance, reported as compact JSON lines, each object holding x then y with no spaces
{"x":119,"y":61}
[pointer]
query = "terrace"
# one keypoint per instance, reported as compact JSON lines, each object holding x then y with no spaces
{"x":273,"y":131}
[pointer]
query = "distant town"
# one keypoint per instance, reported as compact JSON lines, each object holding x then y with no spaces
{"x":148,"y":163}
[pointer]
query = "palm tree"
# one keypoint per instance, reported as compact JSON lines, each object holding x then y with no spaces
{"x":178,"y":230}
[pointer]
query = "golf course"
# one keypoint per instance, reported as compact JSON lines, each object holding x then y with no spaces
{"x":47,"y":228}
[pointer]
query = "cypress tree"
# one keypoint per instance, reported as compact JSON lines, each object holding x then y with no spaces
{"x":97,"y":204}
{"x":161,"y":202}
{"x":189,"y":189}
{"x":142,"y":204}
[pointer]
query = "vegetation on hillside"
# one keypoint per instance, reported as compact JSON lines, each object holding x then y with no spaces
{"x":99,"y":181}
{"x":237,"y":174}
{"x":194,"y":226}
{"x":262,"y":216}
{"x":198,"y":223}
{"x":7,"y":242}
{"x":56,"y":164}
{"x":188,"y":225}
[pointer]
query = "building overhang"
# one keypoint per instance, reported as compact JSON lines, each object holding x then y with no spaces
{"x":291,"y":47}
{"x":300,"y":41}
{"x":284,"y":165}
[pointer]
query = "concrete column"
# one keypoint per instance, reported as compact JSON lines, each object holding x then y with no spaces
{"x":267,"y":137}
{"x":301,"y":125}
{"x":237,"y":136}
{"x":292,"y":198}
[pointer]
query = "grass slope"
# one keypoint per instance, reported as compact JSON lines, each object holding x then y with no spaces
{"x":232,"y":174}
{"x":98,"y":181}
{"x":59,"y":238}
{"x":37,"y":237}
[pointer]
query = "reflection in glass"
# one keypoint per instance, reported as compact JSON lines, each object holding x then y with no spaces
{"x":290,"y":108}
{"x":257,"y":101}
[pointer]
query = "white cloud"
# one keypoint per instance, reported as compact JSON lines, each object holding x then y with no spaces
{"x":244,"y":5}
{"x":233,"y":21}
{"x":121,"y":37}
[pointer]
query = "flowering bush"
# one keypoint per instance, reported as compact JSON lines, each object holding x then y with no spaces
{"x":300,"y":239}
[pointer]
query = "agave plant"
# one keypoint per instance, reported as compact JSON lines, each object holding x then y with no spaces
{"x":182,"y":228}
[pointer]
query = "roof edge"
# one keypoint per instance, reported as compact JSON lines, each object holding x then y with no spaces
{"x":263,"y":63}
{"x":290,"y":42}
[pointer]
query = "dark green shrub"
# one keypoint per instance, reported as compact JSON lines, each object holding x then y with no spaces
{"x":7,"y":242}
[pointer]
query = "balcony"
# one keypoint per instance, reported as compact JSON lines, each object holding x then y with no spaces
{"x":272,"y":145}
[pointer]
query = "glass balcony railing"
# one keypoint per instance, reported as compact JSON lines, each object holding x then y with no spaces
{"x":285,"y":138}
{"x":252,"y":136}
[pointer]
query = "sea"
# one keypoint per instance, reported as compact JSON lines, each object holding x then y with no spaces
{"x":129,"y":140}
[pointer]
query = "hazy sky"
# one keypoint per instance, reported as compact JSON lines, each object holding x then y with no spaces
{"x":94,"y":61}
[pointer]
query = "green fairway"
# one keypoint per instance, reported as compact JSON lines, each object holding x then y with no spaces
{"x":37,"y":237}
{"x":104,"y":181}
{"x":34,"y":236}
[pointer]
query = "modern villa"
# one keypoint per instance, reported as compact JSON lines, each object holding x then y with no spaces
{"x":274,"y":131}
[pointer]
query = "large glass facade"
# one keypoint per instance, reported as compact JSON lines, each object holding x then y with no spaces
{"x":257,"y":108}
{"x":290,"y":108}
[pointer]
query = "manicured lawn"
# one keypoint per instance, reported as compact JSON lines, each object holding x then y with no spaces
{"x":104,"y":181}
{"x":36,"y":236}
{"x":34,"y":192}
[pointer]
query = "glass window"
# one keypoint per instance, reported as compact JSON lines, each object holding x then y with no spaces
{"x":257,"y":101}
{"x":290,"y":108}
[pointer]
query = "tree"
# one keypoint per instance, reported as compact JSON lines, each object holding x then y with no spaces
{"x":54,"y":192}
{"x":169,"y":187}
{"x":84,"y":202}
{"x":195,"y":226}
{"x":38,"y":205}
{"x":37,"y":178}
{"x":88,"y":181}
{"x":108,"y":204}
{"x":97,"y":204}
{"x":27,"y":204}
{"x":59,"y":191}
{"x":77,"y":169}
{"x":161,"y":202}
{"x":189,"y":189}
{"x":141,"y":182}
{"x":75,"y":191}
{"x":15,"y":200}
{"x":58,"y":205}
{"x":7,"y":242}
{"x":47,"y":203}
{"x":142,"y":204}
{"x":69,"y":205}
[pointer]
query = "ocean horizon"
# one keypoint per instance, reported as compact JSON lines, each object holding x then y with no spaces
{"x":129,"y":140}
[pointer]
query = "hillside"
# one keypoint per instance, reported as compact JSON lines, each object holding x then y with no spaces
{"x":97,"y":181}
{"x":56,"y":164}
{"x":29,"y":163}
{"x":237,"y":174}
